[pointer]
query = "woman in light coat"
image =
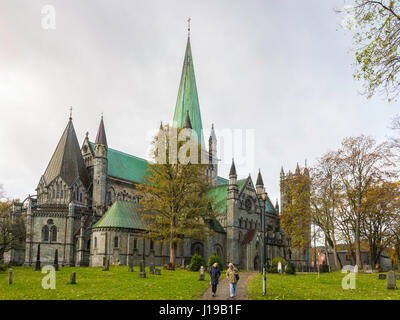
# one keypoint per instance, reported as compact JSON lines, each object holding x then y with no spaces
{"x":232,"y":274}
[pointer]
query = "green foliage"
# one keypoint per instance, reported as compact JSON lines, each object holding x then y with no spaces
{"x":3,"y":267}
{"x":276,"y":260}
{"x":291,"y":268}
{"x":195,"y":263}
{"x":272,"y":270}
{"x":214,"y":258}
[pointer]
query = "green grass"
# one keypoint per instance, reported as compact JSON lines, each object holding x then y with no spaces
{"x":93,"y":283}
{"x":328,"y":287}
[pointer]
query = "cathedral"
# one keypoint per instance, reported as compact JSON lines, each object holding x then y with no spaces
{"x":85,"y":205}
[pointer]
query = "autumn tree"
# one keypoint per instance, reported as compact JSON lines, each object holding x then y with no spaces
{"x":296,"y":215}
{"x":325,"y":201}
{"x":361,"y":162}
{"x":381,"y":207}
{"x":174,"y":196}
{"x":376,"y":45}
{"x":12,"y":228}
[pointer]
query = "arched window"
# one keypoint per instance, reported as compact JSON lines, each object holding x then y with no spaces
{"x":53,"y":232}
{"x":151,"y":245}
{"x":58,"y":191}
{"x":116,"y":242}
{"x":80,"y":197}
{"x":54,"y":193}
{"x":135,"y":243}
{"x":95,"y":242}
{"x":88,"y":245}
{"x":45,"y":233}
{"x":62,"y":194}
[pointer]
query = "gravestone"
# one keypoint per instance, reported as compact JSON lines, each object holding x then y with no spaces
{"x":130,"y":265}
{"x":37,"y":264}
{"x":391,"y":283}
{"x":56,"y":260}
{"x":158,"y":271}
{"x":10,"y":276}
{"x":397,"y":277}
{"x":279,"y":267}
{"x":151,"y":268}
{"x":73,"y":278}
{"x":382,"y":276}
{"x":142,"y":273}
{"x":201,"y":277}
{"x":107,"y":265}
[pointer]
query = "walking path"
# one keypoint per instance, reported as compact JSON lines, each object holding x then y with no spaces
{"x":223,"y":288}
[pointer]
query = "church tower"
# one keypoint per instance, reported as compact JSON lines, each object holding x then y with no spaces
{"x":232,"y":230}
{"x":100,"y":170}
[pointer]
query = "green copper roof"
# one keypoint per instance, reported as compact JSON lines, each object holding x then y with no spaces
{"x":269,"y":208}
{"x":188,"y":99}
{"x":125,"y":166}
{"x":218,"y":227}
{"x":122,"y":214}
{"x":221,"y":180}
{"x":220,"y":192}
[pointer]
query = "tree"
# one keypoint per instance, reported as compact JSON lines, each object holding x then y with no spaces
{"x":296,"y":216}
{"x":174,"y":199}
{"x":325,"y":201}
{"x":376,"y":42}
{"x":381,"y":207}
{"x":361,"y":162}
{"x":12,"y":230}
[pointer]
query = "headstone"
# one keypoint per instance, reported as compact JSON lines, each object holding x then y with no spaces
{"x":280,"y":267}
{"x":107,"y":265}
{"x":151,"y":268}
{"x":391,"y":283}
{"x":382,"y":276}
{"x":158,"y":271}
{"x":397,"y":277}
{"x":201,"y":277}
{"x":10,"y":276}
{"x":356,"y":269}
{"x":130,"y":263}
{"x":73,"y":278}
{"x":37,"y":264}
{"x":142,"y":273}
{"x":56,"y":260}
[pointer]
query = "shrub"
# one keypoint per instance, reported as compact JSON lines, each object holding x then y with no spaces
{"x":170,"y":266}
{"x":291,"y":268}
{"x":272,"y":270}
{"x":3,"y":267}
{"x":195,"y":263}
{"x":214,"y":258}
{"x":323,"y":268}
{"x":276,"y":260}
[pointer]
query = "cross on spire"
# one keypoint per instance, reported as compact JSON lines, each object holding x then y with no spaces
{"x":70,"y":113}
{"x":188,"y":20}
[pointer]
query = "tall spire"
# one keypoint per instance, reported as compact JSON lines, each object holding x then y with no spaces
{"x":232,"y":172}
{"x":187,"y":99}
{"x":259,"y":179}
{"x":101,"y":134}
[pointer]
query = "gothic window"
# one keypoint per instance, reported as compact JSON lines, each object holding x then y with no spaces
{"x":53,"y":232}
{"x":116,"y":242}
{"x":54,"y":193}
{"x":73,"y":196}
{"x":62,"y":194}
{"x":80,"y":197}
{"x":88,"y":245}
{"x":95,"y":242}
{"x":45,"y":233}
{"x":58,"y":191}
{"x":151,"y":245}
{"x":135,"y":243}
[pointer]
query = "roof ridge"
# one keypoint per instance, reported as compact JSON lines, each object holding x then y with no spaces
{"x":125,"y":153}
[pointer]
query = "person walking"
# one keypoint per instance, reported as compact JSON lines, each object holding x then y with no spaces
{"x":232,"y":274}
{"x":215,"y":273}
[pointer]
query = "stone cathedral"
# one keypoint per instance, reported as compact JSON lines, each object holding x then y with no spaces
{"x":85,"y":204}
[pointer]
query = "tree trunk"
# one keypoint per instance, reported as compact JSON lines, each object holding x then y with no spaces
{"x":357,"y":244}
{"x":172,"y":252}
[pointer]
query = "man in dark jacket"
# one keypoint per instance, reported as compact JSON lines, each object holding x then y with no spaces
{"x":215,"y":273}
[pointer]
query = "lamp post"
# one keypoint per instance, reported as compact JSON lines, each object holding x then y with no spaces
{"x":263,"y":262}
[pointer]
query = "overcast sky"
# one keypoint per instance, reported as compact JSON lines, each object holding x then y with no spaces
{"x":281,"y":68}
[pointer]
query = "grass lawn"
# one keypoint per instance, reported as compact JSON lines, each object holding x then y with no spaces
{"x":93,"y":283}
{"x":328,"y":287}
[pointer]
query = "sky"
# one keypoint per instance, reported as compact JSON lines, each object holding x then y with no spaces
{"x":281,"y":69}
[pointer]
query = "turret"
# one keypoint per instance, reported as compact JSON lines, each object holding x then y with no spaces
{"x":212,"y":156}
{"x":259,"y":184}
{"x":100,"y":170}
